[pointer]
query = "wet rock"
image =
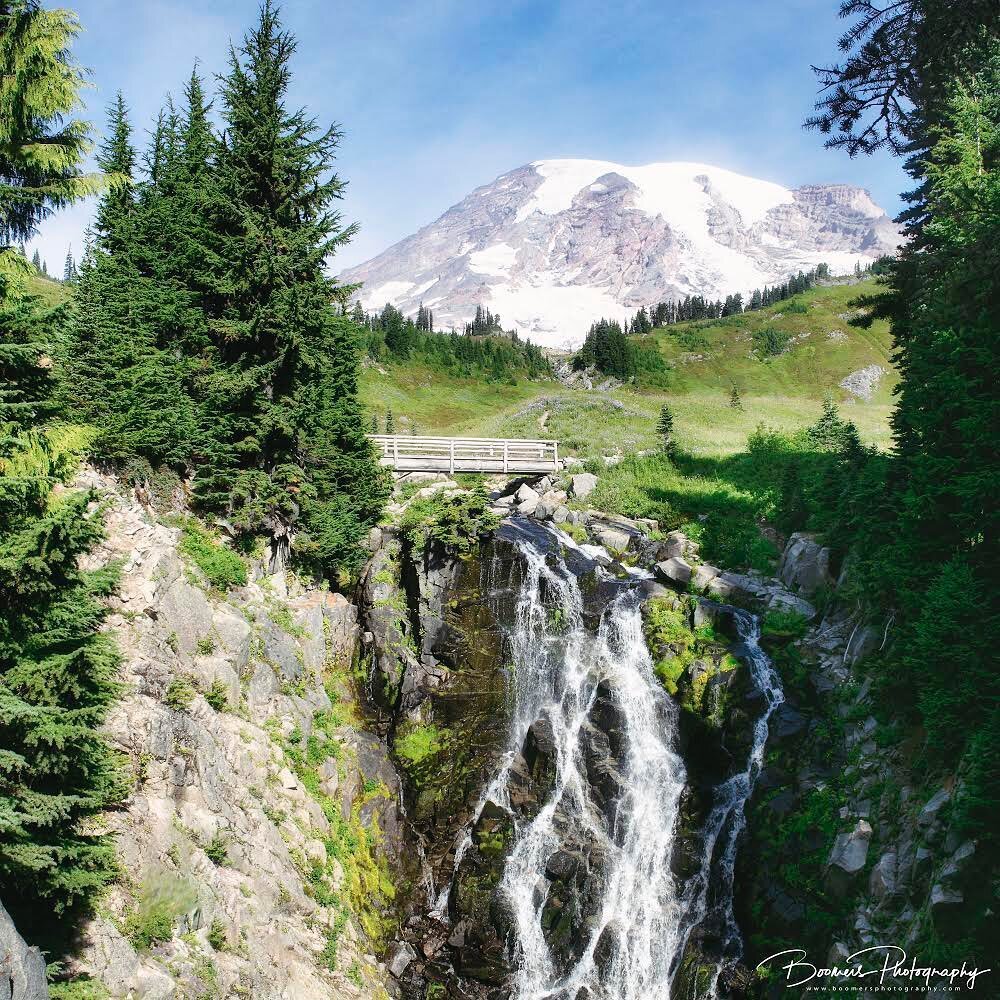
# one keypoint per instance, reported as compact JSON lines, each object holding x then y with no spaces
{"x":612,"y":538}
{"x":533,"y":770}
{"x":787,"y":721}
{"x":399,"y":957}
{"x":674,"y":570}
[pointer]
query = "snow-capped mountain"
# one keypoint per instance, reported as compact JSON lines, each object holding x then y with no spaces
{"x":554,"y":245}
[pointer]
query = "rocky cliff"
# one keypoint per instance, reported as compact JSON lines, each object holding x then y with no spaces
{"x":258,"y":845}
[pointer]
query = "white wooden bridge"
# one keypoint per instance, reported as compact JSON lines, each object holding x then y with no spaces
{"x":442,"y":454}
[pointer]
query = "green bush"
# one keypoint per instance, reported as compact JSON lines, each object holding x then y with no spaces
{"x":180,"y":694}
{"x":218,"y":696}
{"x":784,"y":624}
{"x":217,"y":849}
{"x":769,"y":341}
{"x":222,"y":567}
{"x":217,"y":935}
{"x":162,"y":900}
{"x":459,"y":521}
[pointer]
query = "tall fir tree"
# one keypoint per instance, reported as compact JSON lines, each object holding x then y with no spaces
{"x":271,"y":460}
{"x":57,"y":666}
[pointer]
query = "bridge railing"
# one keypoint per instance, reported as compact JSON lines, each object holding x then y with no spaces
{"x":407,"y":453}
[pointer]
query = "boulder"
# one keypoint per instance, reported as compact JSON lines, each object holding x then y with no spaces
{"x":675,"y":570}
{"x":943,"y":904}
{"x":805,"y":564}
{"x":22,"y":969}
{"x":582,"y":484}
{"x":525,"y":492}
{"x":612,"y":538}
{"x":930,"y":811}
{"x":703,"y":575}
{"x":787,"y":721}
{"x":848,"y":857}
{"x":561,"y":514}
{"x":883,"y":878}
{"x":399,"y":957}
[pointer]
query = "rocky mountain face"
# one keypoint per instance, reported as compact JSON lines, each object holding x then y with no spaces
{"x":554,"y":245}
{"x":316,"y":812}
{"x":258,"y":842}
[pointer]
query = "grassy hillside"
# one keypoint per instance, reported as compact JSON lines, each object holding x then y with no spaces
{"x":705,"y":359}
{"x":52,"y":293}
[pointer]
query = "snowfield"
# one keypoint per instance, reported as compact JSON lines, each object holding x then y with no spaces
{"x":557,"y":244}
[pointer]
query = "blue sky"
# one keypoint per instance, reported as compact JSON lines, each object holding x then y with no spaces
{"x":439,"y":96}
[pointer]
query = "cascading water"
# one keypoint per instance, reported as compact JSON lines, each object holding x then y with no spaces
{"x":634,"y":935}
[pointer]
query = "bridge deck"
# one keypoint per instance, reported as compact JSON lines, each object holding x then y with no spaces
{"x":440,"y":454}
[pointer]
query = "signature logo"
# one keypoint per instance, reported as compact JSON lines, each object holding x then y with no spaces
{"x":894,"y":967}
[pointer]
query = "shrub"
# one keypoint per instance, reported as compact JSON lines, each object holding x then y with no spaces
{"x":218,"y":695}
{"x":222,"y":567}
{"x":180,"y":694}
{"x":459,"y":521}
{"x":217,"y":849}
{"x":770,"y":342}
{"x":217,"y":935}
{"x":206,"y":645}
{"x":784,"y":624}
{"x":162,"y":900}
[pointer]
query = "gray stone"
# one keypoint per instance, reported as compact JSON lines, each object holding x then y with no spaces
{"x":805,"y":564}
{"x":675,"y":569}
{"x":399,"y":957}
{"x":582,"y":484}
{"x":943,"y":901}
{"x":848,"y":857}
{"x":22,"y":969}
{"x":525,"y":492}
{"x":882,"y":883}
{"x":703,"y":575}
{"x":934,"y":805}
{"x":861,"y":643}
{"x":786,"y":721}
{"x":528,"y":507}
{"x":561,"y":514}
{"x":184,"y":612}
{"x":613,"y":539}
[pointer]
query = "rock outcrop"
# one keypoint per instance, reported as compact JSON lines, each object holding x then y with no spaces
{"x":22,"y":969}
{"x":254,"y":839}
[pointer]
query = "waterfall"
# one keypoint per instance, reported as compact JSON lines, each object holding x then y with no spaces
{"x":631,"y":944}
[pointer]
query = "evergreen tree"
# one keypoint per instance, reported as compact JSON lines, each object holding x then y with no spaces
{"x":735,"y":400}
{"x":390,"y":423}
{"x":283,"y":441}
{"x":57,"y":666}
{"x":42,"y":148}
{"x":115,"y":374}
{"x":922,"y":79}
{"x":665,"y":428}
